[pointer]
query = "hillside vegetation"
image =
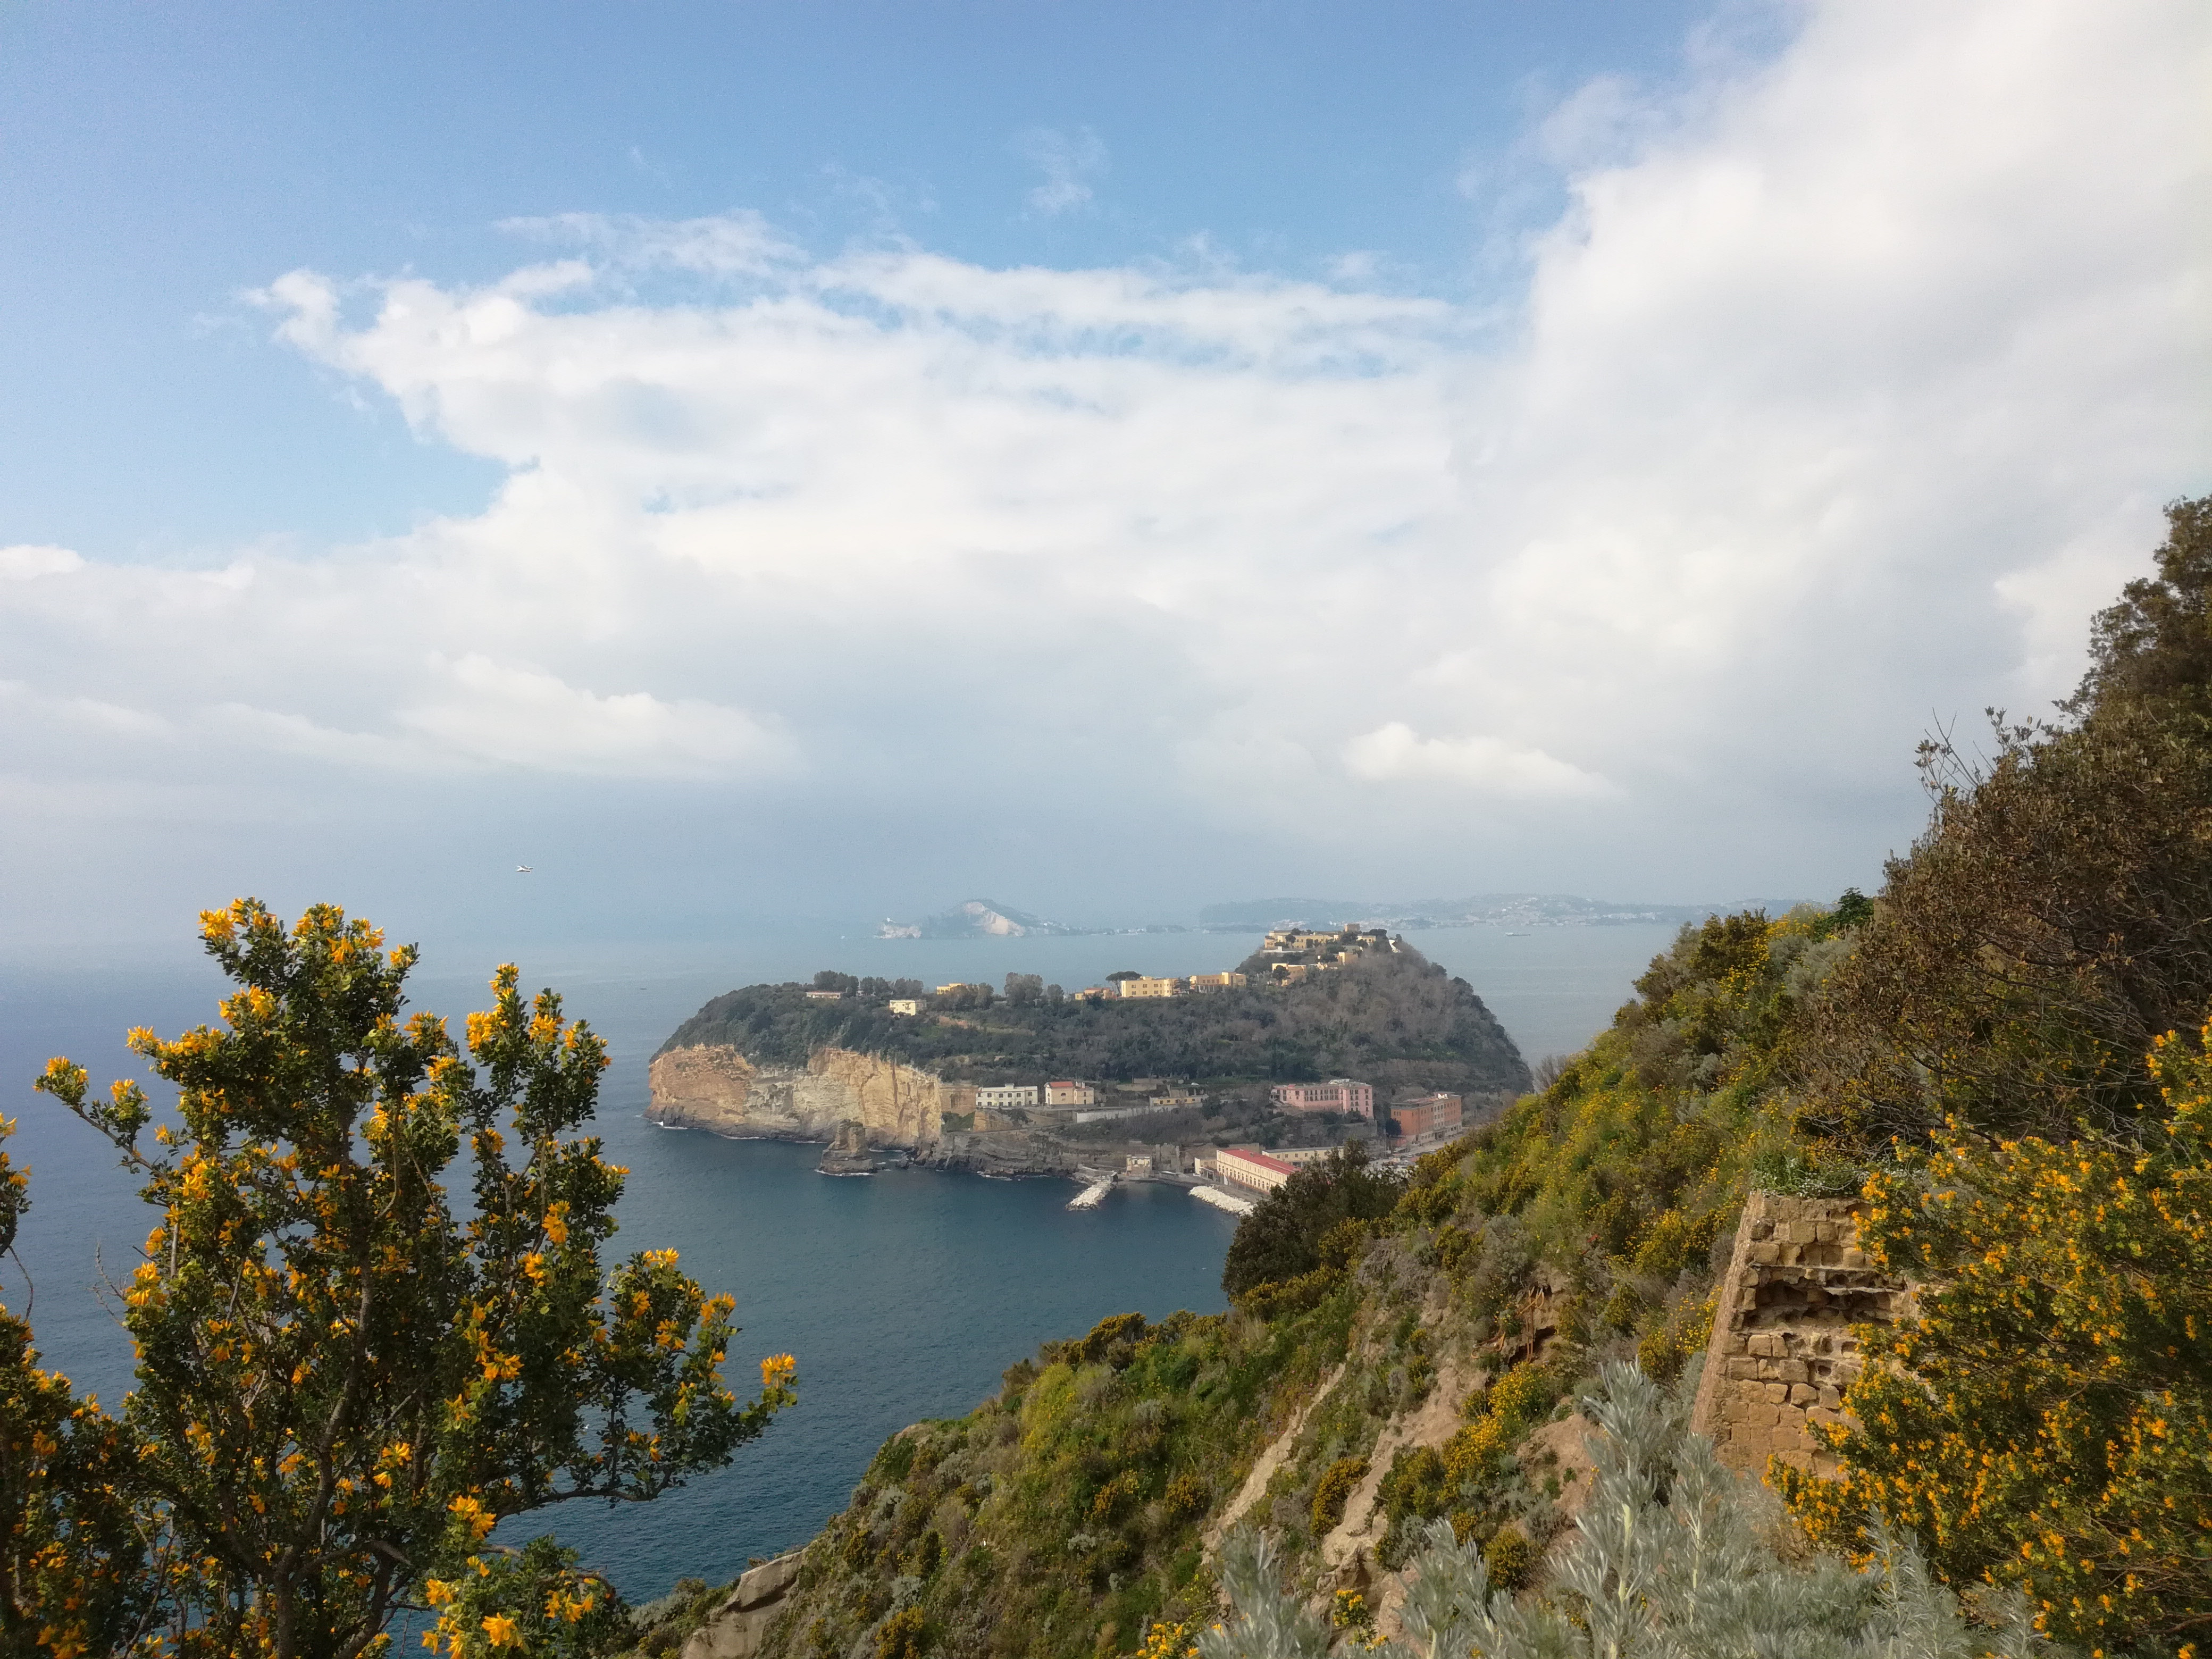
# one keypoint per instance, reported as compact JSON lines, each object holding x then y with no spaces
{"x":2004,"y":1054}
{"x":1392,"y":1018}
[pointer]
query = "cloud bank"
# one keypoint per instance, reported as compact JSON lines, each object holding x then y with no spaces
{"x":1848,"y":385}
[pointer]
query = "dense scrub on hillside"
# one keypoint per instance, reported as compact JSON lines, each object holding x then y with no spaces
{"x":1392,"y":1018}
{"x":2056,"y":918}
{"x":1067,"y":1514}
{"x":2004,"y":1054}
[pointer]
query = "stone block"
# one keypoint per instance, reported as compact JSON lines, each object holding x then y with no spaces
{"x":1795,"y":1371}
{"x":1776,"y":1392}
{"x":1803,"y":1394}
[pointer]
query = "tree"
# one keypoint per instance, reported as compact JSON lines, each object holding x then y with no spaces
{"x":1025,"y":989}
{"x":2046,"y":1419}
{"x":2049,"y":925}
{"x":73,"y":1566}
{"x":344,"y":1384}
{"x":1282,"y":1238}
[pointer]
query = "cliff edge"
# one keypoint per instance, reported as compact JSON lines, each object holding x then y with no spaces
{"x":714,"y":1087}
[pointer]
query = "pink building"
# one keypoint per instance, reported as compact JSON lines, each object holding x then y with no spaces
{"x":1429,"y":1114}
{"x":1339,"y":1094}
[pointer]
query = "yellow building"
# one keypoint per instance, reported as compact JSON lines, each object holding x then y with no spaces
{"x":1150,"y":987}
{"x":1217,"y":981}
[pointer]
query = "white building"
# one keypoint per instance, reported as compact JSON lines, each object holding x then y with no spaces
{"x":911,"y":1007}
{"x":1006,"y":1096}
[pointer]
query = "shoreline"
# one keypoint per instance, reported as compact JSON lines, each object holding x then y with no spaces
{"x":1081,"y":1176}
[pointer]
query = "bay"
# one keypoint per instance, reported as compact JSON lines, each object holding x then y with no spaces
{"x":903,"y":1294}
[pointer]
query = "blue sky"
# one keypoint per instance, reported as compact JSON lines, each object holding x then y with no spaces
{"x":765,"y":459}
{"x":163,"y":160}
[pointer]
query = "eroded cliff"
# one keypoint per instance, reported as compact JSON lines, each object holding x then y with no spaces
{"x":714,"y":1087}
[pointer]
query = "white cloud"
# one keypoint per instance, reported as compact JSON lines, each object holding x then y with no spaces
{"x":1850,"y":381}
{"x":25,"y":563}
{"x":1069,"y":162}
{"x":1396,"y":753}
{"x":522,"y":717}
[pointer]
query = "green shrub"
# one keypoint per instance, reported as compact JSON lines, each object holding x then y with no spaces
{"x":902,"y":1636}
{"x":1186,"y":1496}
{"x":1511,"y":1557}
{"x":1336,"y":1486}
{"x":1274,"y":1300}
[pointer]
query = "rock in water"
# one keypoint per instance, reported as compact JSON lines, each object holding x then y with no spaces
{"x":848,"y":1153}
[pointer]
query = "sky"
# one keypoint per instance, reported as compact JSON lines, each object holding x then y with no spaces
{"x":827,"y":461}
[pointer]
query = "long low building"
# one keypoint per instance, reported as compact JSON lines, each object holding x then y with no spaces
{"x":1007,"y":1096}
{"x":1339,"y":1094}
{"x":1248,"y":1166}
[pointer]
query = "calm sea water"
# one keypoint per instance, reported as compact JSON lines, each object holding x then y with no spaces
{"x":904,"y":1295}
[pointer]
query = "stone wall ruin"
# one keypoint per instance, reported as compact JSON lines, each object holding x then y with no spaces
{"x":1782,"y":1351}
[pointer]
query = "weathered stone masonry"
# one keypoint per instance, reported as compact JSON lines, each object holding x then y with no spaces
{"x":1782,"y":1351}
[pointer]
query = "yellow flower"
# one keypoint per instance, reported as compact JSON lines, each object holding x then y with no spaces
{"x":776,"y":1370}
{"x":500,"y":1631}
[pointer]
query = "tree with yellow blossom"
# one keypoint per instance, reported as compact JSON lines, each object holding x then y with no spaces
{"x":2046,"y":1419}
{"x":348,"y":1374}
{"x":71,"y":1560}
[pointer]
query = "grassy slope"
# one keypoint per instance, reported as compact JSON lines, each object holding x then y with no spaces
{"x":1396,"y":1020}
{"x":1064,"y":1512}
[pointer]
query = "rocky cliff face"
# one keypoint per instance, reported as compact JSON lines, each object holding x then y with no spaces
{"x":712,"y":1086}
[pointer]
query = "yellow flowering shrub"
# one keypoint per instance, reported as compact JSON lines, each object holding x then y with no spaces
{"x":345,"y":1382}
{"x":71,"y":1559}
{"x":2046,"y":1420}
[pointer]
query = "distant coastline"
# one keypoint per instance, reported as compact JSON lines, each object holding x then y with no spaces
{"x":989,"y":919}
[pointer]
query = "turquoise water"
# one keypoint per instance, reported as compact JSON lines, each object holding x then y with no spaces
{"x":904,"y":1295}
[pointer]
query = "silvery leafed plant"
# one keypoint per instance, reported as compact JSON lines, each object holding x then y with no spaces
{"x":1669,"y":1560}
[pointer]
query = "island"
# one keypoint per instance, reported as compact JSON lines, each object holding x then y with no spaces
{"x":1321,"y":1035}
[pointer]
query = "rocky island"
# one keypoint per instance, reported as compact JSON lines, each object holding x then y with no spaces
{"x":1034,"y":1079}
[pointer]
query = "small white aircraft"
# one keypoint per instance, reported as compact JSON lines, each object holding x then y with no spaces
{"x":521,"y":869}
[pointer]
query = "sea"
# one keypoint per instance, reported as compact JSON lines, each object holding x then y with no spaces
{"x":904,"y":1295}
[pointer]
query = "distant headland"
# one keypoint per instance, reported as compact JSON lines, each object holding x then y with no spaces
{"x":1327,"y":1033}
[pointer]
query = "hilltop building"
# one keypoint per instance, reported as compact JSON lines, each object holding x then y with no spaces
{"x":1070,"y":1094}
{"x":1217,"y":981}
{"x":910,"y":1007}
{"x":1290,"y":941}
{"x":1339,"y":1094}
{"x":1006,"y":1096}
